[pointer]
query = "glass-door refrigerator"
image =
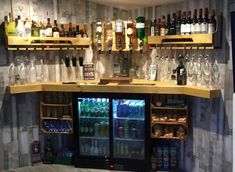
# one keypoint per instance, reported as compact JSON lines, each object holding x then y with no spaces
{"x":112,"y":131}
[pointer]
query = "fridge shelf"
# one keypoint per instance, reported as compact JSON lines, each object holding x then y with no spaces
{"x":93,"y":137}
{"x":126,"y":118}
{"x":87,"y":117}
{"x":128,"y":139}
{"x":170,"y":123}
{"x":55,"y":132}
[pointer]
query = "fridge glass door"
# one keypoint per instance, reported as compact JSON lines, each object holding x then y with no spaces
{"x":128,"y":129}
{"x":93,"y":126}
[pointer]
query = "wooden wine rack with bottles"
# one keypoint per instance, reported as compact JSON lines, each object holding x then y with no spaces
{"x":56,"y":113}
{"x":169,"y":117}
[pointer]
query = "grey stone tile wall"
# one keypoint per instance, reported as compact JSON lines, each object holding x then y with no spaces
{"x":209,"y":145}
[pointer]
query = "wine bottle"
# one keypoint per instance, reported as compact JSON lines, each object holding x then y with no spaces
{"x":168,"y":24}
{"x":200,"y":21}
{"x":181,"y":73}
{"x":62,"y":32}
{"x":194,"y":22}
{"x":178,"y":23}
{"x":172,"y":30}
{"x":77,"y":32}
{"x":163,"y":26}
{"x":70,"y":32}
{"x":20,"y":27}
{"x":212,"y":23}
{"x":188,"y":24}
{"x":152,"y":29}
{"x":158,"y":27}
{"x":183,"y":24}
{"x":204,"y":25}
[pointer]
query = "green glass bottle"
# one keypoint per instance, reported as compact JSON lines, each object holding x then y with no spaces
{"x":140,"y":28}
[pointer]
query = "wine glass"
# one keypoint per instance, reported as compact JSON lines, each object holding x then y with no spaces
{"x":199,"y":70}
{"x":215,"y":75}
{"x":206,"y":72}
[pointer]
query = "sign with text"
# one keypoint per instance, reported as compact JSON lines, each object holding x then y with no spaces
{"x":88,"y":72}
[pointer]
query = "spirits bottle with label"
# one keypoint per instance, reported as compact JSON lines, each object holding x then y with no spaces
{"x":181,"y":73}
{"x":204,"y":25}
{"x":212,"y":23}
{"x":130,"y":32}
{"x":163,"y":26}
{"x":20,"y":27}
{"x":183,"y":24}
{"x":109,"y":35}
{"x":200,"y":21}
{"x":188,"y":24}
{"x":55,"y":30}
{"x":119,"y":34}
{"x":99,"y":33}
{"x":178,"y":23}
{"x":168,"y":24}
{"x":172,"y":30}
{"x":48,"y":28}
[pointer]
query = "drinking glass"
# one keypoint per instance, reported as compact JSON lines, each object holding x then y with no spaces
{"x":199,"y":70}
{"x":215,"y":75}
{"x":206,"y":72}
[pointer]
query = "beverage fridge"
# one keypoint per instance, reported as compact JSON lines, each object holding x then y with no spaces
{"x":111,"y":131}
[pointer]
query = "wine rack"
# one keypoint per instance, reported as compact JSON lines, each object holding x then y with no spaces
{"x":169,"y":117}
{"x":56,"y":112}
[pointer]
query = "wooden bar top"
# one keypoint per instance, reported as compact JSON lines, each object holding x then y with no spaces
{"x":136,"y":86}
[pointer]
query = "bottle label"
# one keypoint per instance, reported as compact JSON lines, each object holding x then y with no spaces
{"x":197,"y":28}
{"x":42,"y":32}
{"x":182,"y":29}
{"x":56,"y":34}
{"x":192,"y":28}
{"x":99,"y":29}
{"x":181,"y":71}
{"x":118,"y":27}
{"x":211,"y":28}
{"x":48,"y":31}
{"x":140,"y":25}
{"x":162,"y":31}
{"x":204,"y":28}
{"x":129,"y":31}
{"x":187,"y":28}
{"x":152,"y":31}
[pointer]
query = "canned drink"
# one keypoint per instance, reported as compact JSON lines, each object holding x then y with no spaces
{"x":120,"y":131}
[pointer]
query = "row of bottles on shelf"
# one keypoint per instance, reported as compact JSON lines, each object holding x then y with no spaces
{"x":124,"y":149}
{"x":129,"y":108}
{"x":56,"y":97}
{"x":169,"y":116}
{"x":164,"y":158}
{"x":28,"y":28}
{"x":95,"y":147}
{"x":191,"y":69}
{"x":120,"y":33}
{"x":94,"y":128}
{"x":128,"y":129}
{"x":94,"y":107}
{"x":169,"y":131}
{"x":57,"y":126}
{"x":57,"y":112}
{"x":181,"y":24}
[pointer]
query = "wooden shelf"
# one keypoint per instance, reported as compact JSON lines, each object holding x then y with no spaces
{"x":56,"y":105}
{"x":168,"y":108}
{"x":194,"y":40}
{"x":137,"y":86}
{"x":162,"y":137}
{"x":56,"y":118}
{"x":170,"y":123}
{"x":47,"y":43}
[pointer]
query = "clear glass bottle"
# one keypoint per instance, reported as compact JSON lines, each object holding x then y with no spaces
{"x":20,"y":27}
{"x":27,"y":28}
{"x":109,"y":35}
{"x":48,"y":28}
{"x":32,"y":72}
{"x":23,"y":73}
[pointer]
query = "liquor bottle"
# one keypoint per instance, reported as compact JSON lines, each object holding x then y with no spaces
{"x":172,"y":30}
{"x":212,"y":23}
{"x":200,"y":21}
{"x":140,"y":25}
{"x":42,"y":32}
{"x":109,"y":35}
{"x":183,"y":24}
{"x":119,"y":29}
{"x":55,"y":30}
{"x":35,"y":29}
{"x":194,"y":22}
{"x":77,"y":32}
{"x":163,"y":26}
{"x":62,"y":31}
{"x":11,"y":29}
{"x":48,"y":28}
{"x":85,"y":29}
{"x":158,"y":27}
{"x":130,"y":32}
{"x":152,"y":29}
{"x":204,"y":25}
{"x":27,"y":28}
{"x":70,"y":32}
{"x":178,"y":23}
{"x":20,"y":27}
{"x":181,"y":73}
{"x":168,"y":24}
{"x":188,"y":24}
{"x":99,"y":33}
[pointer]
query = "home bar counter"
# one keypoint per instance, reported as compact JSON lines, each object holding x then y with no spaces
{"x":136,"y":86}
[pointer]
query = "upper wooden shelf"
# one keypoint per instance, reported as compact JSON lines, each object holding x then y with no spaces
{"x":193,"y":40}
{"x":136,"y":86}
{"x":47,"y":43}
